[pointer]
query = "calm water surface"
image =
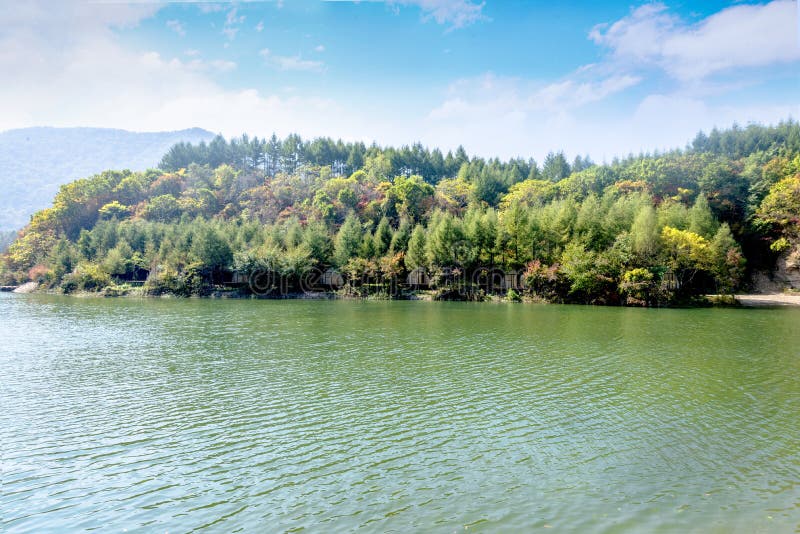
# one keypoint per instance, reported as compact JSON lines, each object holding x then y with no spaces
{"x":176,"y":415}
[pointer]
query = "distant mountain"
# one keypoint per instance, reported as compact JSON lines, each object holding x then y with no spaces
{"x":34,"y":162}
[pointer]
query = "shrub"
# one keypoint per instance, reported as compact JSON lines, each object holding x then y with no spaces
{"x":513,"y":296}
{"x":86,"y":277}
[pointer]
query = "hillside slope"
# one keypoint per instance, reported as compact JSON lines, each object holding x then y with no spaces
{"x":34,"y":162}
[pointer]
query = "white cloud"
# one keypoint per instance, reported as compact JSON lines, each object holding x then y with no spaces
{"x":210,"y":7}
{"x":260,"y":26}
{"x":455,"y":13}
{"x":232,"y":22}
{"x":177,"y":27}
{"x":493,"y":95}
{"x":319,"y":48}
{"x":736,"y":37}
{"x":508,"y":117}
{"x":658,"y":123}
{"x":100,"y":82}
{"x":70,"y":70}
{"x":295,"y":63}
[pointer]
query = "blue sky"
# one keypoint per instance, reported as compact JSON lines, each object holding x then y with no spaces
{"x":511,"y":78}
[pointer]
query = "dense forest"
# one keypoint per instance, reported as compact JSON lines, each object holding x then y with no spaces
{"x":276,"y":216}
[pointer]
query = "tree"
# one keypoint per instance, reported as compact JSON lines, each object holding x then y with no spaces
{"x":687,"y":253}
{"x":555,"y":167}
{"x":382,"y":239}
{"x":645,"y":235}
{"x":780,"y":209}
{"x":530,"y":193}
{"x":444,"y":242}
{"x":701,"y":220}
{"x":727,"y":258}
{"x":114,"y":210}
{"x":637,"y":286}
{"x":348,"y":240}
{"x":163,"y":208}
{"x":212,"y":250}
{"x":413,"y":196}
{"x":401,"y":236}
{"x":592,"y":277}
{"x":589,"y":223}
{"x":416,"y":256}
{"x":516,"y":225}
{"x":318,"y":242}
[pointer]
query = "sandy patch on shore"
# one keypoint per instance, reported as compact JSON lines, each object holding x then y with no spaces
{"x":770,"y":299}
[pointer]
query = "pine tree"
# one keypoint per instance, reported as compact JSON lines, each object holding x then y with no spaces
{"x":348,"y":240}
{"x":416,"y":257}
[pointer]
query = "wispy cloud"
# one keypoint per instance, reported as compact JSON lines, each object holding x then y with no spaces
{"x":455,"y":13}
{"x":260,"y":26}
{"x":493,"y":95}
{"x":210,"y":7}
{"x":291,"y":63}
{"x":677,"y":65}
{"x":740,"y":36}
{"x":177,"y":27}
{"x":232,"y":22}
{"x":319,"y":48}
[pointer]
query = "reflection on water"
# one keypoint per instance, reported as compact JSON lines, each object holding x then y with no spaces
{"x":334,"y":416}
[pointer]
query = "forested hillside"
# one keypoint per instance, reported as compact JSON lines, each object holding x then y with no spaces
{"x":35,"y":162}
{"x":645,"y":230}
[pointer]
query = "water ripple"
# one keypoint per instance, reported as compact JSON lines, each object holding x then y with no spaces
{"x":338,"y":416}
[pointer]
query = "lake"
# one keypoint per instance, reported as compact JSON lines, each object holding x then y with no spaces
{"x":330,"y":416}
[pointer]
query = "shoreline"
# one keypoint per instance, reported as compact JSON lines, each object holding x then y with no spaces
{"x":738,"y":300}
{"x":768,"y":300}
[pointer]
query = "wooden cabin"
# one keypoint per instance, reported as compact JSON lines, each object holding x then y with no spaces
{"x":670,"y":281}
{"x":238,"y":278}
{"x":331,"y":278}
{"x":511,"y":280}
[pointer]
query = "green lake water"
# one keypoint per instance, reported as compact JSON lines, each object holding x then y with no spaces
{"x":333,"y":416}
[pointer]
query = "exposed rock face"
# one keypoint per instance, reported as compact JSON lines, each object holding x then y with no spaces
{"x":787,"y":269}
{"x":28,"y":287}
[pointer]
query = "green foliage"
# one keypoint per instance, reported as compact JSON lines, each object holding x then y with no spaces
{"x":413,"y":196}
{"x":382,"y":239}
{"x":348,"y":240}
{"x":592,"y":277}
{"x":728,"y":260}
{"x":417,"y":247}
{"x":162,"y":208}
{"x":580,"y":232}
{"x":779,"y":245}
{"x":701,"y":220}
{"x":637,"y":285}
{"x":445,"y":240}
{"x":555,"y":167}
{"x":645,"y":234}
{"x":781,"y":207}
{"x":212,"y":250}
{"x":114,"y":210}
{"x":86,"y":277}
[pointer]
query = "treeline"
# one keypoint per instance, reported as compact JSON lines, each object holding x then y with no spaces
{"x":293,"y":154}
{"x":645,"y":230}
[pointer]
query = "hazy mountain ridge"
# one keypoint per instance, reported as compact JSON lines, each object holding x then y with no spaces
{"x":35,"y":162}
